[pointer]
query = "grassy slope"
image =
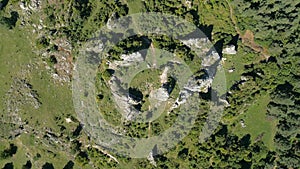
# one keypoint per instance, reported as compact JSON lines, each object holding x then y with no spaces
{"x":238,"y":61}
{"x":135,"y":6}
{"x":16,"y":53}
{"x":257,"y":122}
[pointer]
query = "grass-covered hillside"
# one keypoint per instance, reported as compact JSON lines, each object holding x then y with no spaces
{"x":253,"y":69}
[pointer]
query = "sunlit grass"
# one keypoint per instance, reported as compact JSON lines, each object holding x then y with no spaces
{"x":258,"y":124}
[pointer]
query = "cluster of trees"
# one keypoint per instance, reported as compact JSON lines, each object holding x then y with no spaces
{"x":283,"y":85}
{"x":187,"y":11}
{"x":275,"y":23}
{"x":276,"y":26}
{"x":80,"y":19}
{"x":222,"y":150}
{"x":286,"y":108}
{"x":226,"y":150}
{"x":9,"y":152}
{"x":130,"y":45}
{"x":201,"y":14}
{"x":137,"y":43}
{"x":9,"y":22}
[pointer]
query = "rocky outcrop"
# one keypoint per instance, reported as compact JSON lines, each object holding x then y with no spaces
{"x":130,"y":59}
{"x":229,"y":50}
{"x":20,"y":94}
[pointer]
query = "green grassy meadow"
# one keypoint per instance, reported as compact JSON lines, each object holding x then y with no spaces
{"x":258,"y":124}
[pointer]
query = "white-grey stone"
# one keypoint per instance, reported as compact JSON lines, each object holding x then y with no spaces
{"x":196,"y":42}
{"x":151,"y":159}
{"x":231,"y":70}
{"x":128,"y":60}
{"x":160,"y":94}
{"x":229,"y":50}
{"x":243,"y":124}
{"x":209,"y":60}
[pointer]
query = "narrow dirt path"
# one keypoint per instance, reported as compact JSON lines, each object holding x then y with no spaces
{"x":248,"y":37}
{"x":104,"y":152}
{"x":153,"y":55}
{"x":149,"y":129}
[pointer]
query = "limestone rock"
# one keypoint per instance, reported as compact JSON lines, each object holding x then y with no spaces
{"x":229,"y":50}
